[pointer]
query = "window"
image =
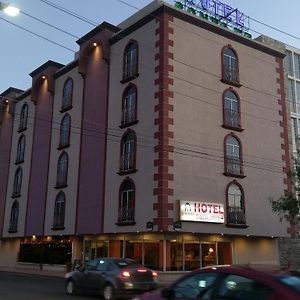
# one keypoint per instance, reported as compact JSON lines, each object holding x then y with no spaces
{"x":231,"y":110}
{"x":130,"y":61}
{"x":297,"y":66}
{"x":291,"y":95}
{"x":196,"y":286}
{"x":230,"y":68}
{"x":233,"y":162}
{"x":128,"y":152}
{"x":240,"y":288}
{"x":59,"y":211}
{"x":129,"y":105}
{"x":288,"y":60}
{"x":62,"y":170}
{"x":65,"y":125}
{"x":235,"y":205}
{"x":21,"y":149}
{"x":126,"y":202}
{"x":17,"y":183}
{"x":23,"y":117}
{"x":14,"y":216}
{"x":67,"y":95}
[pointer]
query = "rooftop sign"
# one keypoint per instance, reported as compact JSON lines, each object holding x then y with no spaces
{"x":218,"y":13}
{"x":201,"y":212}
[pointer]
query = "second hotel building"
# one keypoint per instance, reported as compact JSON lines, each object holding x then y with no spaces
{"x":164,"y":141}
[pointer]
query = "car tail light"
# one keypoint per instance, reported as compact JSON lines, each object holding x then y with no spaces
{"x":154,"y":273}
{"x":126,"y":274}
{"x":142,"y":270}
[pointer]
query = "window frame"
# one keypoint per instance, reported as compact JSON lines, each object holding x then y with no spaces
{"x":65,"y":131}
{"x":225,"y":79}
{"x":23,"y":117}
{"x":21,"y":149}
{"x":226,"y":124}
{"x":62,"y":173}
{"x":59,"y":211}
{"x":130,"y":206}
{"x":67,"y":95}
{"x":242,"y":210}
{"x":130,"y":69}
{"x":125,"y":120}
{"x":128,"y":157}
{"x":17,"y":185}
{"x":14,"y":217}
{"x":232,"y":160}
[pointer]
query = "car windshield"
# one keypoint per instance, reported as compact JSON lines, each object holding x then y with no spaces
{"x":291,"y":281}
{"x":124,"y":263}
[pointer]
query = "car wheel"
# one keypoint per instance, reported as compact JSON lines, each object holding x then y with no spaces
{"x":70,"y":287}
{"x":108,"y":292}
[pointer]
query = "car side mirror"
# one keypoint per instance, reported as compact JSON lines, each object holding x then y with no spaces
{"x":167,"y":293}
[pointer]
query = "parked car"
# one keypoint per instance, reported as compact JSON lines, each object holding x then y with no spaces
{"x":111,"y":277}
{"x":231,"y":282}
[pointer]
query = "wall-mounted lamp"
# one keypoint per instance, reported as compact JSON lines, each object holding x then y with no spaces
{"x":95,"y":44}
{"x":177,"y":225}
{"x":149,"y":226}
{"x":44,"y":77}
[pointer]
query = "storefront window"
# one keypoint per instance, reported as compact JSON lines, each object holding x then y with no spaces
{"x":176,"y":250}
{"x":208,"y":251}
{"x":192,"y":256}
{"x":133,"y":250}
{"x":151,"y":259}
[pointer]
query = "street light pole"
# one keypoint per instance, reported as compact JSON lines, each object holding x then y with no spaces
{"x":9,"y":9}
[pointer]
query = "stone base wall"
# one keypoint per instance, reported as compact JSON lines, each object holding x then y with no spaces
{"x":289,"y":252}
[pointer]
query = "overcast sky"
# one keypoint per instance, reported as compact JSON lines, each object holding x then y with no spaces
{"x":22,"y":52}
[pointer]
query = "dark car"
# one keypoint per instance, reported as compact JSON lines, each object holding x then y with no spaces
{"x":232,"y":282}
{"x":111,"y":277}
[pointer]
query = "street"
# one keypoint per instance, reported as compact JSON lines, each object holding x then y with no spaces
{"x":18,"y":286}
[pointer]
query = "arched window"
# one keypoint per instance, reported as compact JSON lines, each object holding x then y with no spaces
{"x":64,"y":137}
{"x":17,"y":183}
{"x":126,"y":201}
{"x":21,"y":149}
{"x":233,"y":162}
{"x":128,"y":151}
{"x":231,"y":113}
{"x":67,"y":94}
{"x":235,"y":205}
{"x":230,"y":69}
{"x":59,"y":211}
{"x":23,"y":117}
{"x":130,"y":61}
{"x":62,"y":170}
{"x":14,"y":216}
{"x":129,"y":105}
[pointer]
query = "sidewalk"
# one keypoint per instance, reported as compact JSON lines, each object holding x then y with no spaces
{"x":43,"y":272}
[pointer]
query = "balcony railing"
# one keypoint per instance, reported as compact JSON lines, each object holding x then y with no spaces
{"x":128,"y":115}
{"x":230,"y":74}
{"x":232,"y":118}
{"x":127,"y":162}
{"x":233,"y":166}
{"x":236,"y":216}
{"x":126,"y":214}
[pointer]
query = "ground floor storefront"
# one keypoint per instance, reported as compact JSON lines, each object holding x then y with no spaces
{"x":174,"y":251}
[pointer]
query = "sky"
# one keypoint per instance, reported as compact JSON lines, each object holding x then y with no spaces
{"x":22,"y":51}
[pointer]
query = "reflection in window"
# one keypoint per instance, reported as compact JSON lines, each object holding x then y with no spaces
{"x":231,"y":110}
{"x":230,"y":66}
{"x":23,"y":117}
{"x":126,"y":202}
{"x":130,"y":60}
{"x":128,"y":151}
{"x":233,"y":163}
{"x":291,"y":95}
{"x":59,"y":211}
{"x":62,"y":170}
{"x":14,"y":216}
{"x":236,"y":207}
{"x":65,"y":125}
{"x":129,"y":105}
{"x":21,"y":149}
{"x":67,"y":94}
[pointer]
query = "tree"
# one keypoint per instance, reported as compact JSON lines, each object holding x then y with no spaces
{"x":288,"y":206}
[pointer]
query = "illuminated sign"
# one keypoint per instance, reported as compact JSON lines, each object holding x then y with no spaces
{"x":201,"y":212}
{"x":218,"y":13}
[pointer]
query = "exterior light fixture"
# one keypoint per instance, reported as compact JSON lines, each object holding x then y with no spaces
{"x":9,"y":9}
{"x":44,"y":77}
{"x":149,"y":226}
{"x":177,"y":225}
{"x":95,"y":44}
{"x":6,"y":101}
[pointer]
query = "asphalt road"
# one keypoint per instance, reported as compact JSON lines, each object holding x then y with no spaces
{"x":18,"y":286}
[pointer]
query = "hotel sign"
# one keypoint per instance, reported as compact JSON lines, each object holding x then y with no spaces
{"x":201,"y":211}
{"x":218,"y":13}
